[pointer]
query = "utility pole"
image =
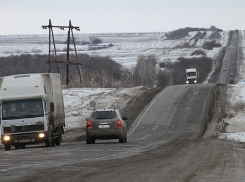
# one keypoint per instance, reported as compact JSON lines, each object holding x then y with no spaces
{"x":67,"y":62}
{"x":68,"y":56}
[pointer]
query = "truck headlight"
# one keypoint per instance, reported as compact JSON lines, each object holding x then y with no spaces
{"x":187,"y":81}
{"x":41,"y":135}
{"x":195,"y":81}
{"x":6,"y":138}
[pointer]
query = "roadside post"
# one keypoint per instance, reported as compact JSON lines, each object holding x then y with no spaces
{"x":221,"y":121}
{"x":226,"y":114}
{"x":223,"y":125}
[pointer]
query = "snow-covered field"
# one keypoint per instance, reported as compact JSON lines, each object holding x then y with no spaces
{"x":126,"y":46}
{"x":236,"y":104}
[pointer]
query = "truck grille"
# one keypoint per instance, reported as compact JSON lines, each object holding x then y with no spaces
{"x":27,"y":128}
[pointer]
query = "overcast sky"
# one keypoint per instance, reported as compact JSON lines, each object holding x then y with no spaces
{"x":100,"y":16}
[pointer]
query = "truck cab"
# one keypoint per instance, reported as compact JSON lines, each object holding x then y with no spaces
{"x":192,"y":76}
{"x":32,"y":110}
{"x":25,"y":121}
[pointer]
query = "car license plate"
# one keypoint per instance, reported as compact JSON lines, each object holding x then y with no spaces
{"x":23,"y":141}
{"x":104,"y":126}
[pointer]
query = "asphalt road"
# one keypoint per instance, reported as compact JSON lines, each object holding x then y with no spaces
{"x":174,"y":115}
{"x":229,"y":61}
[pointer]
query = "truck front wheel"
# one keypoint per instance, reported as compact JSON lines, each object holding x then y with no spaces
{"x":7,"y":147}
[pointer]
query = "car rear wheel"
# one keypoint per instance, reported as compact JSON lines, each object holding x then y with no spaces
{"x":125,"y":138}
{"x":121,"y":140}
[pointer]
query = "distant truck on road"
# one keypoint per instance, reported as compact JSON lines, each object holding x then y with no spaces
{"x":32,"y":110}
{"x":192,"y":75}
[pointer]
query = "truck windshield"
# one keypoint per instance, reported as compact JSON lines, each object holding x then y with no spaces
{"x":191,"y":74}
{"x":22,"y":109}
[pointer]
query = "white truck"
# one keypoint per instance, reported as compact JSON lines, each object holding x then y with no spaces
{"x":192,"y":75}
{"x":32,"y":110}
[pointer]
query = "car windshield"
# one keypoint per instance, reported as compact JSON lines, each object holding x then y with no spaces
{"x":103,"y":115}
{"x":191,"y":74}
{"x":22,"y":109}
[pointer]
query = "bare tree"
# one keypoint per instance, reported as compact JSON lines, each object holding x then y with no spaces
{"x":95,"y":40}
{"x":145,"y":70}
{"x":164,"y":78}
{"x":127,"y":78}
{"x":105,"y":79}
{"x":213,"y":28}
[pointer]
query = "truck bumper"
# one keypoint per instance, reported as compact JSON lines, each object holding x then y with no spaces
{"x":27,"y":138}
{"x":191,"y":81}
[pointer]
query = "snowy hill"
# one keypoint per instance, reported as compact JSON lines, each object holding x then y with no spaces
{"x":125,"y":50}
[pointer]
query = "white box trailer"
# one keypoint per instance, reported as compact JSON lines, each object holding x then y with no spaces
{"x":32,"y":110}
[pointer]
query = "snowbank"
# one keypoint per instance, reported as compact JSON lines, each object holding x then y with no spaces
{"x":77,"y":107}
{"x":236,"y":125}
{"x":240,"y":137}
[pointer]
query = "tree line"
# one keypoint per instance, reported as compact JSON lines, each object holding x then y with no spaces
{"x":102,"y":71}
{"x":182,"y":32}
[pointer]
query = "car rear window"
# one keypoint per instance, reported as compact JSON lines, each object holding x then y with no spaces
{"x":103,"y":115}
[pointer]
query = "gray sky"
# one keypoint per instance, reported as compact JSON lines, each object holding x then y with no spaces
{"x":99,"y":16}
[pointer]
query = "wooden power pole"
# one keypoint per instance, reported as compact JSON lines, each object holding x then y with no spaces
{"x":67,"y":62}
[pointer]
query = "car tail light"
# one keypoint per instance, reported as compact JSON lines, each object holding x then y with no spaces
{"x":119,"y":123}
{"x":89,"y":124}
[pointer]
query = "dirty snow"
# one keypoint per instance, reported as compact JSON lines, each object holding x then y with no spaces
{"x":236,"y":125}
{"x":239,"y":137}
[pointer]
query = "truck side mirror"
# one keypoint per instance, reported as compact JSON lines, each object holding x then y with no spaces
{"x":51,"y":106}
